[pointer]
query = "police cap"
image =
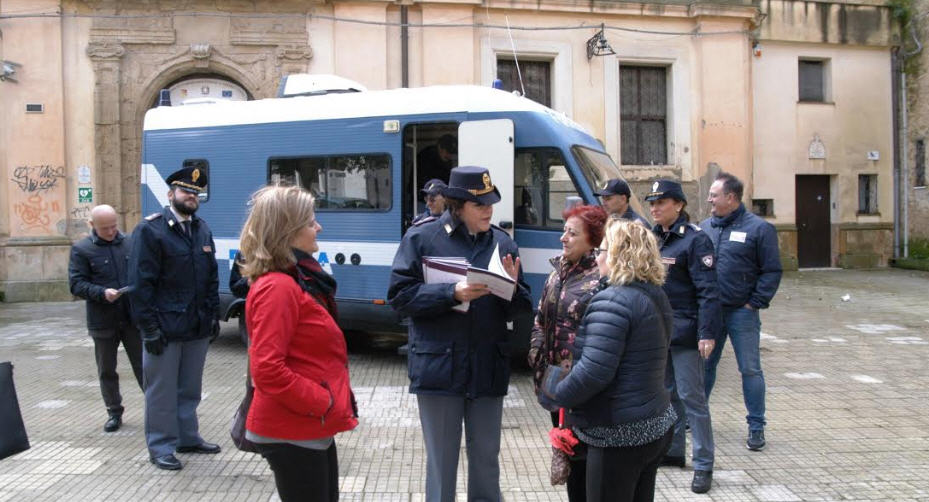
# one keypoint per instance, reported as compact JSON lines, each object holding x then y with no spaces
{"x":614,"y":186}
{"x":433,"y":187}
{"x":472,"y":183}
{"x":189,"y":179}
{"x":666,"y":189}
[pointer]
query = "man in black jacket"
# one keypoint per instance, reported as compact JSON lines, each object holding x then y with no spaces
{"x":98,"y":273}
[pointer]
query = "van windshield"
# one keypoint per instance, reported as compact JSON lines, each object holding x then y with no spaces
{"x":597,"y":167}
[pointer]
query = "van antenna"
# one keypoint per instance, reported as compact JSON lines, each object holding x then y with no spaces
{"x":519,"y":74}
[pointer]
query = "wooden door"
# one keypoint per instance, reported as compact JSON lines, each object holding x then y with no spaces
{"x":813,"y":210}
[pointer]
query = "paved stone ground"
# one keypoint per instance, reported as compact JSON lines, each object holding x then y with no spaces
{"x":847,"y":392}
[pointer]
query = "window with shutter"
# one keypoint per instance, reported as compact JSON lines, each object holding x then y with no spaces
{"x":643,"y":105}
{"x":536,"y":79}
{"x":812,"y":81}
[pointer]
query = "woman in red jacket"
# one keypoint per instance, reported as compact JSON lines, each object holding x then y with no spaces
{"x":297,"y":356}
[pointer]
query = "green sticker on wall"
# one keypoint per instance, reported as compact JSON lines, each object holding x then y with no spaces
{"x":85,"y":195}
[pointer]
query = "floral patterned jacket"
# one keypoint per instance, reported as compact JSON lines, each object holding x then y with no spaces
{"x":561,"y":308}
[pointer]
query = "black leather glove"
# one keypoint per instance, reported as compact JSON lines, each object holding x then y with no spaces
{"x":214,"y":331}
{"x":154,"y":342}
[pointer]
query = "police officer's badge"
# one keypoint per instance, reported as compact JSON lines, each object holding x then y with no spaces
{"x":195,"y":175}
{"x":655,"y":187}
{"x":486,"y":180}
{"x":708,"y":261}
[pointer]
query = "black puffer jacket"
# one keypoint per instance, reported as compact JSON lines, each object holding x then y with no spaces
{"x":618,"y":376}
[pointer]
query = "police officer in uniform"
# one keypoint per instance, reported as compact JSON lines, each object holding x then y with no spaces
{"x":459,"y":364}
{"x":692,"y":290}
{"x":435,"y":201}
{"x":614,"y":197}
{"x":176,"y":307}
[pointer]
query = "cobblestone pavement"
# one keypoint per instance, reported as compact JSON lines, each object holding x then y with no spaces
{"x":847,"y":397}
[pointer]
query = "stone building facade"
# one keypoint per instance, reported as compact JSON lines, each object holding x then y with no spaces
{"x":90,"y":69}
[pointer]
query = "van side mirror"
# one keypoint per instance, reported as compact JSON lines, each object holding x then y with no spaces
{"x":506,"y":225}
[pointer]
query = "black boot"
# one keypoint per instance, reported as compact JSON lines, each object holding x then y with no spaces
{"x":113,"y":423}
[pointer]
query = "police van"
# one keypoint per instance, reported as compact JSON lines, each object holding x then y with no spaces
{"x":357,"y":153}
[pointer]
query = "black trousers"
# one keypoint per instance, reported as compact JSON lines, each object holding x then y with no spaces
{"x":625,"y":474}
{"x":577,"y":479}
{"x":302,"y":474}
{"x":106,"y":347}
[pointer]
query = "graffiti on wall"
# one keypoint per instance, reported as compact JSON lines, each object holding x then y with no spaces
{"x":37,"y":201}
{"x":31,"y":179}
{"x":34,"y":212}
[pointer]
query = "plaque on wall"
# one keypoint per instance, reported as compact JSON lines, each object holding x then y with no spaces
{"x":817,"y":148}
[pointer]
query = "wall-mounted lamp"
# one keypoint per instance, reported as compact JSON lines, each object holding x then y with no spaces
{"x":598,"y":46}
{"x":7,"y":70}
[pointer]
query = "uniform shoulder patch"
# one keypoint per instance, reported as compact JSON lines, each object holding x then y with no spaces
{"x":707,"y":260}
{"x":427,"y":219}
{"x":153,"y":216}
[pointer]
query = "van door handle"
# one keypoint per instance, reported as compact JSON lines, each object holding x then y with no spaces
{"x":506,"y":225}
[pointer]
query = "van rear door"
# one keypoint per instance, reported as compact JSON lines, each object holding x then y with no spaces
{"x":489,"y":143}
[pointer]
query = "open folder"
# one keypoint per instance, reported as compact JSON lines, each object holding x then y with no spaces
{"x":446,"y":270}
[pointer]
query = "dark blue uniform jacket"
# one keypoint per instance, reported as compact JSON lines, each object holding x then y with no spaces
{"x":96,"y":265}
{"x":748,"y":265}
{"x":691,"y":286}
{"x":175,"y":277}
{"x":454,"y":353}
{"x":631,"y":215}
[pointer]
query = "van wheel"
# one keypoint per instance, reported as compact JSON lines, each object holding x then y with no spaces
{"x":243,"y":329}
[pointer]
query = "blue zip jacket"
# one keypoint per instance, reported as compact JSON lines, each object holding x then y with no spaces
{"x":453,"y":353}
{"x":687,"y":252}
{"x":748,"y":265}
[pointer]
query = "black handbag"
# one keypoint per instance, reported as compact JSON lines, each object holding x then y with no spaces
{"x":12,"y":430}
{"x":241,"y":414}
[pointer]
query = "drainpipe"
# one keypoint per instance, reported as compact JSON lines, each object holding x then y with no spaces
{"x":905,"y":171}
{"x":895,"y":74}
{"x":404,"y":46}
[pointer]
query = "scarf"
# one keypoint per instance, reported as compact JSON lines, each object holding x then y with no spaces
{"x":310,"y":275}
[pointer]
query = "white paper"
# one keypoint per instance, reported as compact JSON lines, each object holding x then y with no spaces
{"x":496,"y":264}
{"x":502,"y":286}
{"x":433,"y":275}
{"x":737,"y":237}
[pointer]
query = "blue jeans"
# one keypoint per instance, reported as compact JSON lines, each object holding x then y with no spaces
{"x":743,"y":326}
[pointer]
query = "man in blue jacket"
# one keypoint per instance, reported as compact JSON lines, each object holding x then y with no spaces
{"x":459,"y":359}
{"x":748,"y":271}
{"x":176,"y":307}
{"x":99,"y":273}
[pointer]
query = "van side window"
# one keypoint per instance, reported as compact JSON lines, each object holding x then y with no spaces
{"x":204,"y":167}
{"x":339,"y":182}
{"x":542,"y":185}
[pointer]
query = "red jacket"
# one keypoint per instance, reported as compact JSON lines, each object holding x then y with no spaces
{"x":298,"y":360}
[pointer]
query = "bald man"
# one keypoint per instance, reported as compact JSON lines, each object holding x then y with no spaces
{"x":98,"y":272}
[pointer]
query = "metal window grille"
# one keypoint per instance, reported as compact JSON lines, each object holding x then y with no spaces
{"x":643,"y":114}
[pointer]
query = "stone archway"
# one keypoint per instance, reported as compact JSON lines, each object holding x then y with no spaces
{"x":132,"y":60}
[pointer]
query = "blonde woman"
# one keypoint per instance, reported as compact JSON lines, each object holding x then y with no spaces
{"x":297,"y":356}
{"x":618,"y":404}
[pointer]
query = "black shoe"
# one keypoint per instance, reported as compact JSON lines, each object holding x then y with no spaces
{"x":203,"y":447}
{"x":755,"y":440}
{"x":672,"y":461}
{"x":167,"y":462}
{"x":113,"y":423}
{"x":703,"y":481}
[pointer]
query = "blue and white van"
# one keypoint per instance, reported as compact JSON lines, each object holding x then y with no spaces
{"x":357,"y":152}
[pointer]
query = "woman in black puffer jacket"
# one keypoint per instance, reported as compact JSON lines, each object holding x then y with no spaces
{"x":615,"y":393}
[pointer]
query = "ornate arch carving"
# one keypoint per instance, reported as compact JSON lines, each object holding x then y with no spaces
{"x":133,"y":60}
